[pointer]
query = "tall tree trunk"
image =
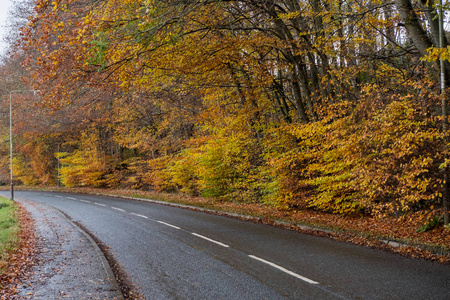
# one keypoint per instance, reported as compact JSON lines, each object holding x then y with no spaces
{"x":431,"y":14}
{"x":418,"y":34}
{"x":411,"y":21}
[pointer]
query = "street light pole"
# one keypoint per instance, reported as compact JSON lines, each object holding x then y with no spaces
{"x":445,"y":192}
{"x":11,"y":136}
{"x":11,"y":144}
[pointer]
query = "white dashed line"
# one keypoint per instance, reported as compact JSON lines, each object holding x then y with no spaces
{"x":170,"y":225}
{"x":138,"y":215}
{"x":116,"y":208}
{"x":284,"y":270}
{"x":205,"y":238}
{"x":211,"y":240}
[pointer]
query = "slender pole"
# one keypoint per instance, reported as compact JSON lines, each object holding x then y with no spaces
{"x":58,"y":169}
{"x":445,"y":194}
{"x":11,"y":144}
{"x":11,"y":135}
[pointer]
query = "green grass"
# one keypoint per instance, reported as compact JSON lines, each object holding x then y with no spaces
{"x":9,"y":231}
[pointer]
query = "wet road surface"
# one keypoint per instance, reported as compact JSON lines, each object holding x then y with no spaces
{"x":174,"y":253}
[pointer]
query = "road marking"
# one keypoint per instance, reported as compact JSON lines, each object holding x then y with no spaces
{"x":211,"y":240}
{"x":99,"y":204}
{"x":170,"y":225}
{"x":116,"y":208}
{"x":58,"y":196}
{"x":142,"y":216}
{"x":284,"y":270}
{"x":85,"y":201}
{"x":71,"y":198}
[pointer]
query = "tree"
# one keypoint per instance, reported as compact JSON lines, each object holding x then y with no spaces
{"x":267,"y":99}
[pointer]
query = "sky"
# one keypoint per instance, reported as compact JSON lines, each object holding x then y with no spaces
{"x":5,"y":5}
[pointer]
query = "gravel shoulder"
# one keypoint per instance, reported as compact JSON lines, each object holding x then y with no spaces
{"x":69,"y":265}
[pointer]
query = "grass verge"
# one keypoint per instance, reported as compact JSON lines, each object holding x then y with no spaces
{"x":9,"y":231}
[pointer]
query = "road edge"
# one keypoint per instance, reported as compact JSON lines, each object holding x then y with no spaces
{"x":100,"y":255}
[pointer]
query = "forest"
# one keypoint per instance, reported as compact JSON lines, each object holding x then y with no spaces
{"x":337,"y":106}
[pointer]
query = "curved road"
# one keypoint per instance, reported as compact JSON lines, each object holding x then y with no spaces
{"x":174,"y":253}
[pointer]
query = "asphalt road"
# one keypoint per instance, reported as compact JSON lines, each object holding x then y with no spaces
{"x":174,"y":253}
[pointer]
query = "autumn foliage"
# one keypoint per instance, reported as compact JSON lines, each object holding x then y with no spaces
{"x":324,"y":105}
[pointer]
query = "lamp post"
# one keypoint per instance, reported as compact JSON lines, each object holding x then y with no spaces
{"x":445,"y":193}
{"x":10,"y":134}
